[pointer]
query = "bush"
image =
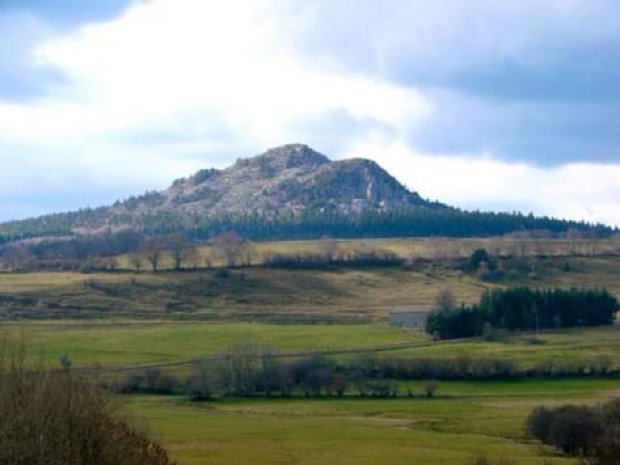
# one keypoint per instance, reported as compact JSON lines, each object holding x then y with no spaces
{"x":222,"y":273}
{"x":606,"y":450}
{"x":200,"y":384}
{"x":430,"y":387}
{"x":575,"y":430}
{"x":150,"y":382}
{"x":480,"y":257}
{"x":58,"y":418}
{"x":491,"y":334}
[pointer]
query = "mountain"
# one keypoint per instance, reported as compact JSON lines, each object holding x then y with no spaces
{"x":286,"y":180}
{"x":287,"y":192}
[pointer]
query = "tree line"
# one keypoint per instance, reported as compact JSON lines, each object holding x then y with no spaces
{"x":522,"y":308}
{"x":329,"y":254}
{"x":409,"y":222}
{"x":98,"y":252}
{"x":254,"y":370}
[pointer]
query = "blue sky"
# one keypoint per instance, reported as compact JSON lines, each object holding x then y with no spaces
{"x":510,"y":105}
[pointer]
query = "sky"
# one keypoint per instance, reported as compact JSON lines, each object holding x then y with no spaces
{"x":511,"y":105}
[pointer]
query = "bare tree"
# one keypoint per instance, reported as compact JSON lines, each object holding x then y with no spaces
{"x":208,"y":261}
{"x":16,"y":257}
{"x":445,"y":300}
{"x":231,"y":246}
{"x":434,"y":249}
{"x":615,"y":240}
{"x":136,"y":260}
{"x":329,"y":248}
{"x":179,"y":245}
{"x":239,"y":369}
{"x":521,"y":246}
{"x":153,"y":249}
{"x":429,"y":388}
{"x":192,"y":256}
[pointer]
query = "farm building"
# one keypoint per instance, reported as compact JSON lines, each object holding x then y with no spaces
{"x":409,"y":316}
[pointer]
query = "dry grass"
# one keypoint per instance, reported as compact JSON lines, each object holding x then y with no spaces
{"x":427,"y":248}
{"x":274,"y":294}
{"x":249,"y":293}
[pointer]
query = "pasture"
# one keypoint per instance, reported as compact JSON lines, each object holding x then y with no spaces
{"x":464,"y":421}
{"x":130,"y":343}
{"x":129,"y":320}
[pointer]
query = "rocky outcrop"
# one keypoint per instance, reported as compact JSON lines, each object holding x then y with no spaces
{"x":287,"y":179}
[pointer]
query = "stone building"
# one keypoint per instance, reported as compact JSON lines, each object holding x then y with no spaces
{"x":410,"y":316}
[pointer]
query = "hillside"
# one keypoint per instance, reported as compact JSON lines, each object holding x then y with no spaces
{"x":345,"y":294}
{"x":288,"y":192}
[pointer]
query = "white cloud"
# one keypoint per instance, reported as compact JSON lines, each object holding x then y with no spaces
{"x":166,"y":58}
{"x":577,"y":191}
{"x":176,"y":85}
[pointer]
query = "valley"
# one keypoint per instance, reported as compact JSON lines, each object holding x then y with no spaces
{"x":123,"y":323}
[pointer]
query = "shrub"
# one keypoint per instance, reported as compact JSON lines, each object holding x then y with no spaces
{"x":59,"y":418}
{"x":572,"y":429}
{"x":430,"y":388}
{"x":152,"y":381}
{"x":314,"y":374}
{"x":200,"y":384}
{"x":222,"y":273}
{"x":538,"y":423}
{"x":491,"y":334}
{"x":478,"y":258}
{"x":606,"y":450}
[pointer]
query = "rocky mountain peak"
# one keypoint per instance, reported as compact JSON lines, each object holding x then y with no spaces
{"x":290,"y":179}
{"x":286,"y":157}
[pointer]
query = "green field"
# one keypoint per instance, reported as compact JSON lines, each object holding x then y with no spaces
{"x":132,"y":320}
{"x":466,"y":420}
{"x":128,"y":343}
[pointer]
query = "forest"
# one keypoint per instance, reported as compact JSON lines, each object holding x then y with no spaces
{"x":411,"y":222}
{"x":523,"y":308}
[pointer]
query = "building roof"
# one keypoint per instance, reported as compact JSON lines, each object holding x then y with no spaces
{"x":412,"y":309}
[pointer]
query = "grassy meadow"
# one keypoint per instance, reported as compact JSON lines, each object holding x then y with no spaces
{"x":464,"y":421}
{"x":128,"y":319}
{"x":135,"y":343}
